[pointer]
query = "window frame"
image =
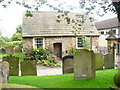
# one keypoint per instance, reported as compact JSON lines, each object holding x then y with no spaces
{"x":35,"y":44}
{"x":77,"y":43}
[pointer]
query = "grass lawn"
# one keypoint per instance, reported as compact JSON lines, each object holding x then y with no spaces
{"x":20,"y":55}
{"x":104,"y":79}
{"x":3,"y":55}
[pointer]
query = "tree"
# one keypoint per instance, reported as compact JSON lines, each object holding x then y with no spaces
{"x":19,"y":29}
{"x":16,"y":37}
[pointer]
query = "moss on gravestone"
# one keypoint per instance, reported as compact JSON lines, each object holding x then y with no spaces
{"x":99,"y":59}
{"x":14,"y":65}
{"x":28,"y":68}
{"x":108,"y":61}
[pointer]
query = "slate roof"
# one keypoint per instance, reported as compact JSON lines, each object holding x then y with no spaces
{"x":44,"y":24}
{"x":106,"y":24}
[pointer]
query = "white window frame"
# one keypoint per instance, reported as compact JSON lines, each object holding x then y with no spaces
{"x":34,"y":43}
{"x":77,"y":43}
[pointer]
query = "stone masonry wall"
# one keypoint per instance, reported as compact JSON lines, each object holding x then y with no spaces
{"x":95,"y":42}
{"x":67,"y":43}
{"x":27,"y":43}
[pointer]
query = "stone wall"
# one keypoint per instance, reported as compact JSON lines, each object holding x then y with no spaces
{"x":95,"y":41}
{"x":27,"y":45}
{"x":67,"y":43}
{"x":27,"y":42}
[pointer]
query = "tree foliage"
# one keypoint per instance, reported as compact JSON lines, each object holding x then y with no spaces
{"x":16,"y":37}
{"x":19,"y":29}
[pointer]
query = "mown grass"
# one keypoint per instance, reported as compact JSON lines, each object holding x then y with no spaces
{"x":104,"y":79}
{"x":20,"y":55}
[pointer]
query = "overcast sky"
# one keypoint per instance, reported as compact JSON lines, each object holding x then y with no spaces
{"x":11,"y":17}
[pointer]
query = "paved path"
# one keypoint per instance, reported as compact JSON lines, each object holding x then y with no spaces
{"x":0,"y":59}
{"x":43,"y":70}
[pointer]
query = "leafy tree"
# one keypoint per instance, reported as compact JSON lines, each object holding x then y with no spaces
{"x":19,"y":29}
{"x":16,"y":37}
{"x":6,"y":39}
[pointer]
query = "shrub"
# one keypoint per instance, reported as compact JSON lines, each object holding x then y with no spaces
{"x":13,"y":43}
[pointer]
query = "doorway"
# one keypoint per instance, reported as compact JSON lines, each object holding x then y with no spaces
{"x":58,"y":49}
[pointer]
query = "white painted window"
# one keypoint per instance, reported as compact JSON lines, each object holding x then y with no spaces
{"x":79,"y":42}
{"x":38,"y":42}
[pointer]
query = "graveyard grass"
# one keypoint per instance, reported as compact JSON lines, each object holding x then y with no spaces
{"x":104,"y":79}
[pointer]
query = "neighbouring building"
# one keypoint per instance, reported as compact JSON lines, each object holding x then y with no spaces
{"x":105,"y":27}
{"x":42,"y":30}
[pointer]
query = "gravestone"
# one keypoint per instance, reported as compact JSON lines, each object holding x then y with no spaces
{"x":14,"y":65}
{"x":9,"y":50}
{"x":17,"y":49}
{"x":4,"y":71}
{"x":28,"y":68}
{"x":84,"y":65}
{"x":2,"y":50}
{"x":99,"y":59}
{"x":108,"y":61}
{"x":68,"y":64}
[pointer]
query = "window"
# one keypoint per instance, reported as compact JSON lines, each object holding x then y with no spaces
{"x":38,"y":42}
{"x":114,"y":31}
{"x":79,"y":42}
{"x":102,"y":32}
{"x":118,"y":48}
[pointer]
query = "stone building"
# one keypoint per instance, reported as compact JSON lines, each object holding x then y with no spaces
{"x":110,"y":36}
{"x":43,"y":30}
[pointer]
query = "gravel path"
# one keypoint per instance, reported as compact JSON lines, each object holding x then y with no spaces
{"x":43,"y":70}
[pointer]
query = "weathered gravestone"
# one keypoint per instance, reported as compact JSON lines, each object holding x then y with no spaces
{"x":9,"y":50}
{"x":99,"y":59}
{"x":108,"y":61}
{"x":68,"y":64}
{"x":4,"y":71}
{"x":17,"y":49}
{"x":28,"y":68}
{"x":14,"y":65}
{"x":2,"y":50}
{"x":84,"y":65}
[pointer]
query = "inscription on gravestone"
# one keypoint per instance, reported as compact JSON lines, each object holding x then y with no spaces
{"x":84,"y":65}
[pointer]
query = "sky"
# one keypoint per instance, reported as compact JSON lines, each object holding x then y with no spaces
{"x":11,"y":17}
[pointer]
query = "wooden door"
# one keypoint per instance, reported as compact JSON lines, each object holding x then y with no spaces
{"x":58,"y":49}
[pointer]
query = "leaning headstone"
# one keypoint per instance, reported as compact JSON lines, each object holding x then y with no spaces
{"x":28,"y":68}
{"x":17,"y":49}
{"x":84,"y":65}
{"x":108,"y":61}
{"x":9,"y":50}
{"x":68,"y":64}
{"x":4,"y":71}
{"x":99,"y":59}
{"x":14,"y":65}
